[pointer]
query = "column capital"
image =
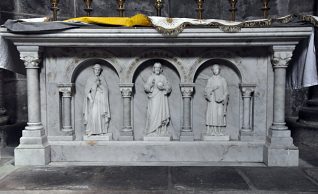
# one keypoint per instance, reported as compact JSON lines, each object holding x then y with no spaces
{"x":187,"y":89}
{"x":66,"y":89}
{"x":126,"y":89}
{"x":247,"y":89}
{"x":30,"y":62}
{"x":281,"y":56}
{"x":30,"y":55}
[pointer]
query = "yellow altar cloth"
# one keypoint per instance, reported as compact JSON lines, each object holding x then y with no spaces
{"x":136,"y":20}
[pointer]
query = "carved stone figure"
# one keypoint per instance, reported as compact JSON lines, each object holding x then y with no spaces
{"x":158,"y":116}
{"x":96,"y":105}
{"x":216,"y":93}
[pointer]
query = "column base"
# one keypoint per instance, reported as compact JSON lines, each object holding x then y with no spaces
{"x":279,"y":138}
{"x":186,"y":136}
{"x":67,"y":132}
{"x":281,"y":156}
{"x":32,"y":155}
{"x":279,"y":149}
{"x":246,"y":135}
{"x":126,"y":135}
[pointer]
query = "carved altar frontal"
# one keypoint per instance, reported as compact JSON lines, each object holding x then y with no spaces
{"x":253,"y":62}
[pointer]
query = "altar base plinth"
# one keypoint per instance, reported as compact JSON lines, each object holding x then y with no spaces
{"x":104,"y":137}
{"x":155,"y":138}
{"x":216,"y":138}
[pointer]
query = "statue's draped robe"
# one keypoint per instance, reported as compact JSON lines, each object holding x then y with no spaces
{"x":158,"y":115}
{"x":216,"y":93}
{"x":96,"y":106}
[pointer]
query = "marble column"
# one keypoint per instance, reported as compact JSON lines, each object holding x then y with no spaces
{"x":126,"y":134}
{"x":33,"y":148}
{"x":66,"y":90}
{"x":246,"y":131}
{"x":186,"y":130}
{"x":279,"y":149}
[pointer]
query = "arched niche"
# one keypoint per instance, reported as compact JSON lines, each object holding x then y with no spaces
{"x":140,"y":98}
{"x":233,"y":78}
{"x":82,"y":73}
{"x":156,"y":54}
{"x":83,"y":64}
{"x":233,"y":59}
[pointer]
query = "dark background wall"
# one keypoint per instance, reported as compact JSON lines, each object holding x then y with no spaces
{"x":172,"y":8}
{"x":12,"y":9}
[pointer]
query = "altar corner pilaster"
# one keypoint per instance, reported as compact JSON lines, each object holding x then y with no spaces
{"x":126,"y":133}
{"x":34,"y":148}
{"x":187,"y":90}
{"x":279,"y":149}
{"x":247,"y":91}
{"x":67,"y":90}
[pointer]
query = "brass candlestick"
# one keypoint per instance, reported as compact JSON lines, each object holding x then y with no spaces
{"x":233,"y":9}
{"x":158,"y":6}
{"x":121,"y":7}
{"x":200,"y":9}
{"x":88,"y":7}
{"x":265,"y":8}
{"x":54,"y":8}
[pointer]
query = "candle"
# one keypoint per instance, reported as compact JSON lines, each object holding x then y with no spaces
{"x":88,"y":7}
{"x":158,"y":6}
{"x":54,"y":8}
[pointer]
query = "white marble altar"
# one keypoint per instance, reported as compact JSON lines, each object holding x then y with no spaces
{"x":253,"y":62}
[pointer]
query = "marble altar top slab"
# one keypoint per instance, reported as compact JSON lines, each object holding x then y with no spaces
{"x":119,"y":36}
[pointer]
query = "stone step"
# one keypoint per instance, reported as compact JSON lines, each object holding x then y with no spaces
{"x":309,"y":114}
{"x":313,"y":102}
{"x":303,"y":133}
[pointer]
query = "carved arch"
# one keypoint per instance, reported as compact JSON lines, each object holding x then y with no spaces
{"x":231,"y":58}
{"x":111,"y":61}
{"x":156,"y":54}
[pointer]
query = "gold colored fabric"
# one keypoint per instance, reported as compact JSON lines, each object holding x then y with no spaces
{"x":137,"y":20}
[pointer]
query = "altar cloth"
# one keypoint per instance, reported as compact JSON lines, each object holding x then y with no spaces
{"x":302,"y":72}
{"x":9,"y":57}
{"x":136,"y":20}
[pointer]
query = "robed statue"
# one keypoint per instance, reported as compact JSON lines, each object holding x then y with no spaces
{"x":216,"y":93}
{"x":96,"y":104}
{"x":157,"y":88}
